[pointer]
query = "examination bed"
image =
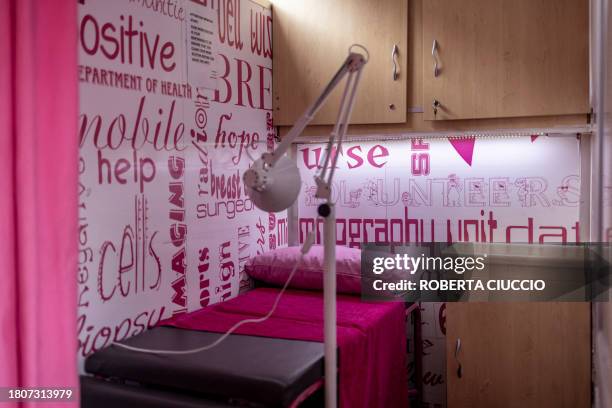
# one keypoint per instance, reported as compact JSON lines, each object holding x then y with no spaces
{"x":278,"y":363}
{"x":259,"y":370}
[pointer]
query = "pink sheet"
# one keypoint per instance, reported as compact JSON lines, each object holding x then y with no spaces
{"x":371,"y":338}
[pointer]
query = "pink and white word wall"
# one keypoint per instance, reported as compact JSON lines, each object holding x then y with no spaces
{"x":175,"y":99}
{"x":493,"y":189}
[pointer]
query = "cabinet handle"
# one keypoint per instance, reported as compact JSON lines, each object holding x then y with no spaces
{"x":396,"y":69}
{"x":434,"y":54}
{"x":435,"y":105}
{"x":457,"y":349}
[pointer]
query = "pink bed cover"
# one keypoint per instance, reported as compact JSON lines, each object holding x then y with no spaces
{"x":371,"y":338}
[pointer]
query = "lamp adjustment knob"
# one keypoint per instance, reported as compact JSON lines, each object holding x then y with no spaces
{"x":324,"y":210}
{"x":254,"y":180}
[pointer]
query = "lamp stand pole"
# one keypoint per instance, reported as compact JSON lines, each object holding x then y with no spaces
{"x":329,"y":304}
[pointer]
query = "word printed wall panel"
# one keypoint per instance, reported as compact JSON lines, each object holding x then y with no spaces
{"x":518,"y":189}
{"x":175,"y":99}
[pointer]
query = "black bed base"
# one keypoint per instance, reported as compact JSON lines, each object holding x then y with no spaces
{"x":245,"y":371}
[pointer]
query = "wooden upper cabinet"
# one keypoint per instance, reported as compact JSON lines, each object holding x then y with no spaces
{"x":505,"y":58}
{"x":311,"y":39}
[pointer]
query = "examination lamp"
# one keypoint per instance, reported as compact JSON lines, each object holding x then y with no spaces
{"x":273,"y":183}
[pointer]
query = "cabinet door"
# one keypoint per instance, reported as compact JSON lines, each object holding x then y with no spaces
{"x":311,"y":39}
{"x":505,"y":58}
{"x":518,"y":355}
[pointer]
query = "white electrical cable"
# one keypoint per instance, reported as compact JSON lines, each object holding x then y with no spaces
{"x":305,"y":248}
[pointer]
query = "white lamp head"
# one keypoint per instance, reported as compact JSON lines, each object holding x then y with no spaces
{"x":273,"y":188}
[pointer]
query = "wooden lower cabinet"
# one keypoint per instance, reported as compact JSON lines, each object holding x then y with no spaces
{"x":519,"y":355}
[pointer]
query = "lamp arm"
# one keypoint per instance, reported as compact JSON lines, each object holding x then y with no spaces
{"x":337,"y":136}
{"x":353,"y":63}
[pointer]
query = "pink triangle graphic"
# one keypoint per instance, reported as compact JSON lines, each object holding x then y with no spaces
{"x":533,"y":138}
{"x":465,"y":147}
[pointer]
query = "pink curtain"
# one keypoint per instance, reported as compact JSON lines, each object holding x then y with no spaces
{"x":38,"y":187}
